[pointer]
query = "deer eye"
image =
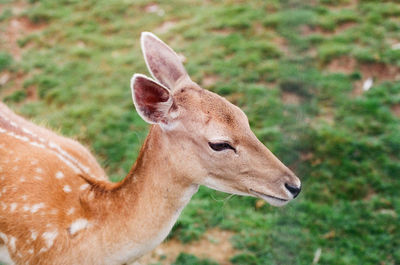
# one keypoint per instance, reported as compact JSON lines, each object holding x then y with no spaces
{"x":220,"y":146}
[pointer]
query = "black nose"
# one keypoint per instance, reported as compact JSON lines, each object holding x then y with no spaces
{"x":293,"y":189}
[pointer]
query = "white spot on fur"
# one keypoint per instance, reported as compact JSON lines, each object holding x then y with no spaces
{"x":38,"y":178}
{"x":22,"y":179}
{"x":174,"y":114}
{"x":22,"y":138}
{"x":34,"y":162}
{"x":39,"y":170}
{"x":68,"y":163}
{"x":4,"y":237}
{"x":13,"y":206}
{"x":13,"y":124}
{"x":30,"y":251}
{"x":12,"y":243}
{"x":34,"y":234}
{"x":3,"y":206}
{"x":26,"y":208}
{"x":27,"y":131}
{"x":71,"y":211}
{"x":15,"y":168}
{"x":91,"y":196}
{"x":11,"y":134}
{"x":69,"y":157}
{"x":37,"y":145}
{"x":59,"y":175}
{"x":84,"y":186}
{"x":36,"y":207}
{"x":78,"y":225}
{"x":67,"y":188}
{"x":24,"y":197}
{"x":43,"y":250}
{"x":5,"y":256}
{"x":49,"y":238}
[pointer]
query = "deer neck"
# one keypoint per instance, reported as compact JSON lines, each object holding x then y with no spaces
{"x":150,"y":198}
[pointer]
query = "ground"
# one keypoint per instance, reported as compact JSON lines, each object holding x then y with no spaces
{"x":318,"y":79}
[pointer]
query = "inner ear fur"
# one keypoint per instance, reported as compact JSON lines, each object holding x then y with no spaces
{"x":162,"y":62}
{"x":152,"y":100}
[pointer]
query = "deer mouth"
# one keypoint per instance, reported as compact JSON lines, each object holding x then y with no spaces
{"x":273,"y":200}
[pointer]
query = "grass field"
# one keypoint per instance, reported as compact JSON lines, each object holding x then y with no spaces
{"x":299,"y":69}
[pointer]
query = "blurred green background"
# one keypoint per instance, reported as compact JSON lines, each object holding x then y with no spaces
{"x":318,"y":79}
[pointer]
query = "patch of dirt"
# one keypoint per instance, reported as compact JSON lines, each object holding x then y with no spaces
{"x":371,"y":193}
{"x":375,"y":72}
{"x":18,"y":79}
{"x":306,"y":156}
{"x":154,"y":8}
{"x":235,"y":97}
{"x":379,"y":72}
{"x":17,"y":7}
{"x":291,"y":98}
{"x":309,"y":30}
{"x":282,"y":44}
{"x":4,"y":77}
{"x":16,"y":28}
{"x":343,"y":64}
{"x":258,"y":28}
{"x":312,"y":52}
{"x":344,"y":26}
{"x":357,"y":88}
{"x":31,"y":94}
{"x":222,"y":32}
{"x":209,"y":80}
{"x":215,"y":244}
{"x":165,"y":27}
{"x":396,"y":110}
{"x":351,"y":4}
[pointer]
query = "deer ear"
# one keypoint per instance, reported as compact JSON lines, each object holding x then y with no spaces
{"x":152,"y":100}
{"x":162,"y":62}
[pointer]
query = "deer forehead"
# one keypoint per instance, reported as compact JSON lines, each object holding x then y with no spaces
{"x":212,"y":108}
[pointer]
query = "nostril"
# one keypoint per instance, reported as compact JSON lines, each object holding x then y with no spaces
{"x":293,"y":189}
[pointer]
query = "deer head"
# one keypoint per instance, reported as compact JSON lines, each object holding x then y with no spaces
{"x":209,"y":138}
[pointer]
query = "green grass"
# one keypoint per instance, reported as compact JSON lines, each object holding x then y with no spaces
{"x":345,"y":148}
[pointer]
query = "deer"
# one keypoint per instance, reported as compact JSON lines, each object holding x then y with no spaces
{"x":57,"y":205}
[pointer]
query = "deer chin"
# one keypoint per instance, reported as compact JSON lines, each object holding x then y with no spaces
{"x":220,"y":185}
{"x":273,"y":200}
